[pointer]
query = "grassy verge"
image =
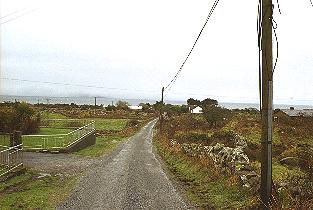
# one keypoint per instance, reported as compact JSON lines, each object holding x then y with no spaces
{"x":28,"y":191}
{"x":103,"y":146}
{"x":204,"y":186}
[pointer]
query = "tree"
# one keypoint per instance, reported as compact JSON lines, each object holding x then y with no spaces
{"x":19,"y":116}
{"x":209,"y":102}
{"x":145,"y":107}
{"x":122,"y":105}
{"x":192,"y":101}
{"x":110,"y":108}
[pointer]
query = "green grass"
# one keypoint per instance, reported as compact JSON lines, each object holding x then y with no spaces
{"x":204,"y":189}
{"x":50,"y":115}
{"x":14,"y":181}
{"x":280,"y":172}
{"x":28,"y":192}
{"x":110,"y":124}
{"x":39,"y":142}
{"x":4,"y":140}
{"x":103,"y":146}
{"x":52,"y":131}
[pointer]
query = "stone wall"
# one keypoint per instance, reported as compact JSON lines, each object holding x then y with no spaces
{"x":226,"y":158}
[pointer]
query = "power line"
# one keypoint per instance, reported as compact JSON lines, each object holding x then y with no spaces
{"x":16,"y":17}
{"x":169,"y":86}
{"x":75,"y":85}
{"x":12,"y":13}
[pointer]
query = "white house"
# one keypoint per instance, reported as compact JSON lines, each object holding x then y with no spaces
{"x":196,"y":110}
{"x":135,"y":108}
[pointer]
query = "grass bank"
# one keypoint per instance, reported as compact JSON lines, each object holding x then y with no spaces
{"x":104,"y":145}
{"x":34,"y":191}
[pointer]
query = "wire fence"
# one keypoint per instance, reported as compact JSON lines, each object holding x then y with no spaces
{"x":57,"y":141}
{"x":11,"y":159}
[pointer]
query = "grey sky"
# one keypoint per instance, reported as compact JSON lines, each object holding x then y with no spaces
{"x":137,"y":46}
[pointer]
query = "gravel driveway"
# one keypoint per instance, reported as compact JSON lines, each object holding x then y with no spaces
{"x":130,"y":178}
{"x":58,"y":163}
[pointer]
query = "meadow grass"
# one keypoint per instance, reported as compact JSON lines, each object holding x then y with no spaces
{"x":110,"y":124}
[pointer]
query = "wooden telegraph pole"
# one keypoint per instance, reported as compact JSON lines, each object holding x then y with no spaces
{"x":161,"y":111}
{"x":267,"y":103}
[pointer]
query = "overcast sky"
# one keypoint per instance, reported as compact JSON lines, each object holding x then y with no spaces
{"x":135,"y":47}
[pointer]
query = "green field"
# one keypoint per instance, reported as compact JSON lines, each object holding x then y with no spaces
{"x":110,"y":124}
{"x":49,"y":115}
{"x":60,"y":141}
{"x":52,"y":131}
{"x":49,"y":141}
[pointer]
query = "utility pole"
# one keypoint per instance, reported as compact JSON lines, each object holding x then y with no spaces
{"x":161,"y":111}
{"x":267,"y":103}
{"x":95,"y":102}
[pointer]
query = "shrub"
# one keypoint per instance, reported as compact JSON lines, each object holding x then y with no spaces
{"x":192,"y":137}
{"x":19,"y":116}
{"x":216,"y":116}
{"x":228,"y":138}
{"x":132,"y":123}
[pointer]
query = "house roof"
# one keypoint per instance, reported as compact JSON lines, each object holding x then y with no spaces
{"x":294,"y":113}
{"x":194,"y":107}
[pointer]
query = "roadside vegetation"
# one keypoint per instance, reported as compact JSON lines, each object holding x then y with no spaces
{"x":216,"y":156}
{"x":35,"y":190}
{"x":32,"y":190}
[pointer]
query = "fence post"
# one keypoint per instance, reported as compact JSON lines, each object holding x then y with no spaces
{"x":15,"y":138}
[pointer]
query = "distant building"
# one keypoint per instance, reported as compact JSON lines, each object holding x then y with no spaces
{"x":195,"y":109}
{"x":135,"y":108}
{"x":295,"y":113}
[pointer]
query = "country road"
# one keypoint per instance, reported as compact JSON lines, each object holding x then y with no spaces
{"x":130,"y":178}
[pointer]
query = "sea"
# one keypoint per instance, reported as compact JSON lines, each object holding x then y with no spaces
{"x":81,"y":100}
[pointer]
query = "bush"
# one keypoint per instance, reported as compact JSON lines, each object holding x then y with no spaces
{"x":216,"y":116}
{"x":132,"y":123}
{"x":19,"y":116}
{"x":228,"y":138}
{"x":192,"y":137}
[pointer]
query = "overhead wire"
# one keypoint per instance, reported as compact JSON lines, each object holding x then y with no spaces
{"x":171,"y":83}
{"x":12,"y":13}
{"x":16,"y":17}
{"x":75,"y":85}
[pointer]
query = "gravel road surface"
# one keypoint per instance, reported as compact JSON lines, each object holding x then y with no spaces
{"x":58,"y":163}
{"x":131,"y":178}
